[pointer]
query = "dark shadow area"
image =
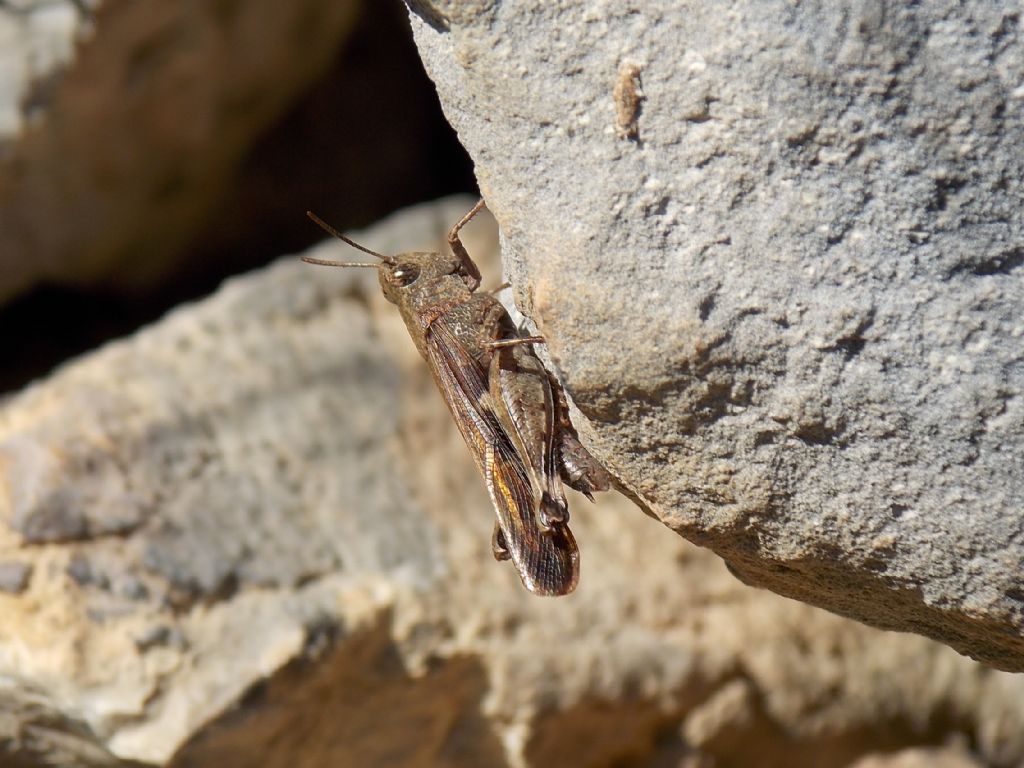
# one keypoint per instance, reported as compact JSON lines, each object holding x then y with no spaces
{"x":641,"y":734}
{"x":328,"y":705}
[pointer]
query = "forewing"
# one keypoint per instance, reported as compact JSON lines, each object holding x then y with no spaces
{"x":547,"y":561}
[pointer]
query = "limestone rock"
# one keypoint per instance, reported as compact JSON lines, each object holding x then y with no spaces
{"x":777,"y":252}
{"x":256,"y":538}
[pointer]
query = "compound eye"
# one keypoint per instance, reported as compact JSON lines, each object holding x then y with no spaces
{"x":405,"y":274}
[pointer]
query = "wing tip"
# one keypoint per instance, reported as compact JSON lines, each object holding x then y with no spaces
{"x":555,"y":591}
{"x":560,"y":573}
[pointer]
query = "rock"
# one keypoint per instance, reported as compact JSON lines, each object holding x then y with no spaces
{"x":952,"y":757}
{"x":353,"y":140}
{"x":14,"y":577}
{"x":121,"y":124}
{"x":307,"y":577}
{"x":788,"y":300}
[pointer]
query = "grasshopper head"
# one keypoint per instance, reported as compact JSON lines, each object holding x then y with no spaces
{"x":410,"y":280}
{"x":420,"y":273}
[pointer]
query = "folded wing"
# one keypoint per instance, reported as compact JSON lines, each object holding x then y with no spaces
{"x":547,"y":560}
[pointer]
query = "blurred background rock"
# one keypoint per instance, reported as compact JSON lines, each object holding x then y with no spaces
{"x":248,"y":534}
{"x":149,"y":150}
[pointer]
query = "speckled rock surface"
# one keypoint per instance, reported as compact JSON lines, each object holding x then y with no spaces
{"x":254,"y":537}
{"x":777,"y":252}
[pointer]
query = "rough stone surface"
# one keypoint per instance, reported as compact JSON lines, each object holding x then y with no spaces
{"x":257,"y":539}
{"x":792,"y":306}
{"x":122,"y":122}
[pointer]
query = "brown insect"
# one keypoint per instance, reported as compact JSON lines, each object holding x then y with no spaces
{"x":510,"y":410}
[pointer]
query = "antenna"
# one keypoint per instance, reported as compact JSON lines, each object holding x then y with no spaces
{"x":329,"y":263}
{"x":332,"y":231}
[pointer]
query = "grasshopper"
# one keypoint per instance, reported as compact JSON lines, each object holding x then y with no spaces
{"x":511,"y":411}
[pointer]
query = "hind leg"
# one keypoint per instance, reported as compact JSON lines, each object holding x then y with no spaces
{"x":498,"y":546}
{"x":578,"y":468}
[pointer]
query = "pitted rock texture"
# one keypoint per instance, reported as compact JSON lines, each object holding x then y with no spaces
{"x":254,"y":537}
{"x":777,"y":252}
